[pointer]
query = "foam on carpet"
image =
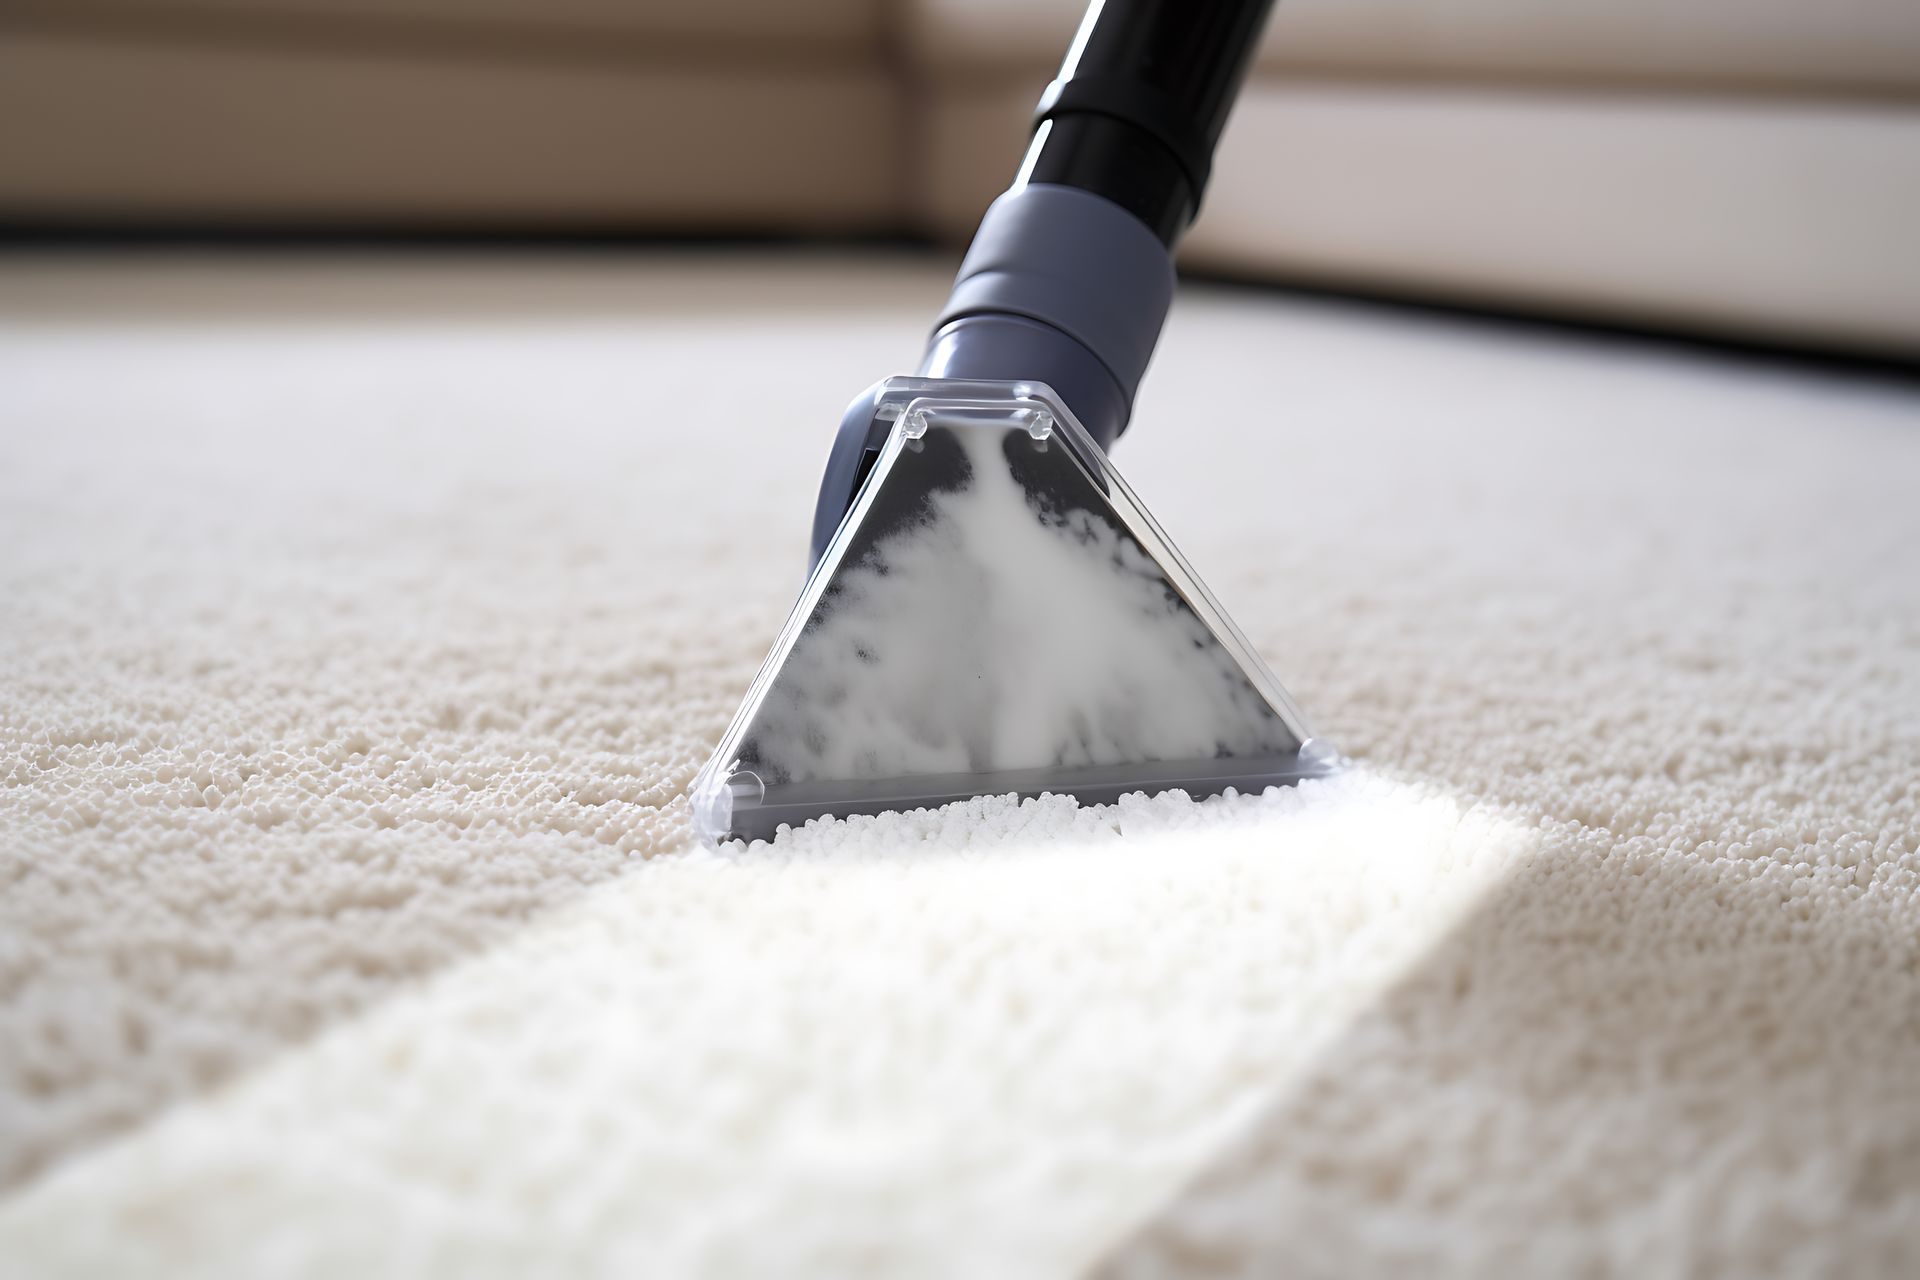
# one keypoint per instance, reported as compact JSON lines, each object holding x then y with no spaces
{"x":363,"y":627}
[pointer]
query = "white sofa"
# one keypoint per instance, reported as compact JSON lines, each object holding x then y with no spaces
{"x":1742,"y":167}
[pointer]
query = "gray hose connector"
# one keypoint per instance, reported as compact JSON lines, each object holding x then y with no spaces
{"x":1073,"y":261}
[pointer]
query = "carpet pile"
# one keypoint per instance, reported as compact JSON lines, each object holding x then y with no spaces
{"x":362,"y":623}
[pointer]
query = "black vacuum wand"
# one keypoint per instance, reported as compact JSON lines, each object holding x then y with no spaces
{"x":1070,"y":275}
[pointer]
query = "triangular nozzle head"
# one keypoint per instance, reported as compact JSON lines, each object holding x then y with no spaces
{"x":997,"y":613}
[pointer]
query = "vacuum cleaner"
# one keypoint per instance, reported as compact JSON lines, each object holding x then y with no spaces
{"x":990,"y":610}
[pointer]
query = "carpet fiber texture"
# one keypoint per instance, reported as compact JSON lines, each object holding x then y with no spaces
{"x":362,"y":623}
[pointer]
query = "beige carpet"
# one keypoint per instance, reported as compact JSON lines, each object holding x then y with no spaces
{"x":361,"y":623}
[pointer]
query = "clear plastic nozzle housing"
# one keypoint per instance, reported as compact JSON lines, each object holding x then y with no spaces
{"x":997,"y":613}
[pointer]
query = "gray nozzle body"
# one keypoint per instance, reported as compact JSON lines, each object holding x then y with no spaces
{"x":1061,"y":287}
{"x":1064,"y":287}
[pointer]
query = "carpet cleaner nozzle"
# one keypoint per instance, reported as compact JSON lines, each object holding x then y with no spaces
{"x":991,"y":610}
{"x":997,"y":614}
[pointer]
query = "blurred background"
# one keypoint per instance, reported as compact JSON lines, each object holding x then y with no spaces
{"x":1747,"y":169}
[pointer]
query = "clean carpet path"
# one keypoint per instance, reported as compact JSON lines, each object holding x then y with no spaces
{"x":362,"y":622}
